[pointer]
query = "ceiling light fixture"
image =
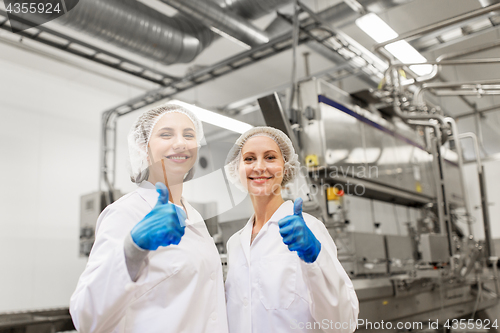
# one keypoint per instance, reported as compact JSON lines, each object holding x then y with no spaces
{"x":231,"y":38}
{"x":216,"y":119}
{"x":381,"y":32}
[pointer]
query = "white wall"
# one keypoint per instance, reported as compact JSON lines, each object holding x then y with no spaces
{"x":50,"y":112}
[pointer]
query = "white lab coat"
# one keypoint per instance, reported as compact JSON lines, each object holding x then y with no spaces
{"x":270,"y":289}
{"x":180,"y":288}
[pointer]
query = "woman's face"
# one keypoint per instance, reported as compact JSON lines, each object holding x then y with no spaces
{"x":261,"y":166}
{"x":173,"y":140}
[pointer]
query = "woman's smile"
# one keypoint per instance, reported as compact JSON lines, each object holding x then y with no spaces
{"x":178,"y":158}
{"x":259,"y":180}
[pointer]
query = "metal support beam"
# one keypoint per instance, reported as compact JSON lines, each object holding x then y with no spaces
{"x":442,"y":199}
{"x":484,"y":194}
{"x":81,"y":49}
{"x":480,"y":112}
{"x":342,"y":47}
{"x":454,"y":133}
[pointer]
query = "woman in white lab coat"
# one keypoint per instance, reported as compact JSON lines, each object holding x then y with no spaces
{"x":283,"y":271}
{"x":154,"y":266}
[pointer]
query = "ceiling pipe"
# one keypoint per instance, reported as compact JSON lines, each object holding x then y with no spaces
{"x":139,"y":29}
{"x":473,"y":113}
{"x":337,"y":16}
{"x":440,"y":62}
{"x":213,"y":16}
{"x":436,"y":26}
{"x":480,"y":87}
{"x":342,"y":14}
{"x":133,"y":26}
{"x":251,"y":9}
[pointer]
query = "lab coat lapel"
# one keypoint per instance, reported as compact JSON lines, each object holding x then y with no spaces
{"x":148,"y":192}
{"x":245,"y":236}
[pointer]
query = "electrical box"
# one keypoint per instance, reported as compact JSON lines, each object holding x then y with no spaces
{"x":91,"y":205}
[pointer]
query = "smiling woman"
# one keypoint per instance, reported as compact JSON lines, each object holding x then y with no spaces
{"x":154,"y":266}
{"x":282,"y":266}
{"x":172,"y":151}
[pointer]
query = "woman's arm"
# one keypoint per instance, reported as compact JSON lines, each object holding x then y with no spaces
{"x":332,"y":295}
{"x":105,"y":288}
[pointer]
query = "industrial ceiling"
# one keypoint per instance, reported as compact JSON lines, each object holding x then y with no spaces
{"x":177,"y":46}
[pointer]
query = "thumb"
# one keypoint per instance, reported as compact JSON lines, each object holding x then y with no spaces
{"x":163,"y":193}
{"x":297,"y":207}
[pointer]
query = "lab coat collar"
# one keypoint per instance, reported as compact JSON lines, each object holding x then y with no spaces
{"x":148,"y":191}
{"x":285,"y":209}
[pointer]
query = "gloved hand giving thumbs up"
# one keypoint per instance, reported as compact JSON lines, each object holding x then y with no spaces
{"x":298,"y":236}
{"x":164,"y":225}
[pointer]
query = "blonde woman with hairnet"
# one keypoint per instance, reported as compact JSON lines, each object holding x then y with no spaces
{"x":154,"y":266}
{"x":283,"y":271}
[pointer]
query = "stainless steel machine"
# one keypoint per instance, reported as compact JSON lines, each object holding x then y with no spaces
{"x":432,"y":272}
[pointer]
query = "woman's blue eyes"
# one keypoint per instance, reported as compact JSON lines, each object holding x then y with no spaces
{"x":249,"y":159}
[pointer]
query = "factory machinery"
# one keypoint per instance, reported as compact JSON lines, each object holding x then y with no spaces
{"x":437,"y":271}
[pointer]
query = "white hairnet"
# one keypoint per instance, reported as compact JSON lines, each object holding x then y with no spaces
{"x":140,"y":134}
{"x":290,"y":158}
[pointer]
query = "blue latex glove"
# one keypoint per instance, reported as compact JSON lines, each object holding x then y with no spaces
{"x":164,"y":225}
{"x":298,"y":236}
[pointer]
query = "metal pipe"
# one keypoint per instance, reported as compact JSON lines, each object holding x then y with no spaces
{"x":469,"y":51}
{"x":454,"y":132}
{"x":441,"y":60}
{"x":437,"y":63}
{"x":139,"y":29}
{"x":493,"y":108}
{"x":251,"y":9}
{"x":484,"y":195}
{"x":407,"y":116}
{"x":356,"y":6}
{"x":213,"y":16}
{"x":133,"y":26}
{"x":479,"y":93}
{"x":494,"y":262}
{"x":418,"y":95}
{"x":443,"y":209}
{"x":341,"y":14}
{"x":439,"y":25}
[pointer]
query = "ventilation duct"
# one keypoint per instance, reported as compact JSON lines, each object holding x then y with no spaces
{"x":133,"y":26}
{"x":251,"y":9}
{"x":211,"y":15}
{"x":137,"y":28}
